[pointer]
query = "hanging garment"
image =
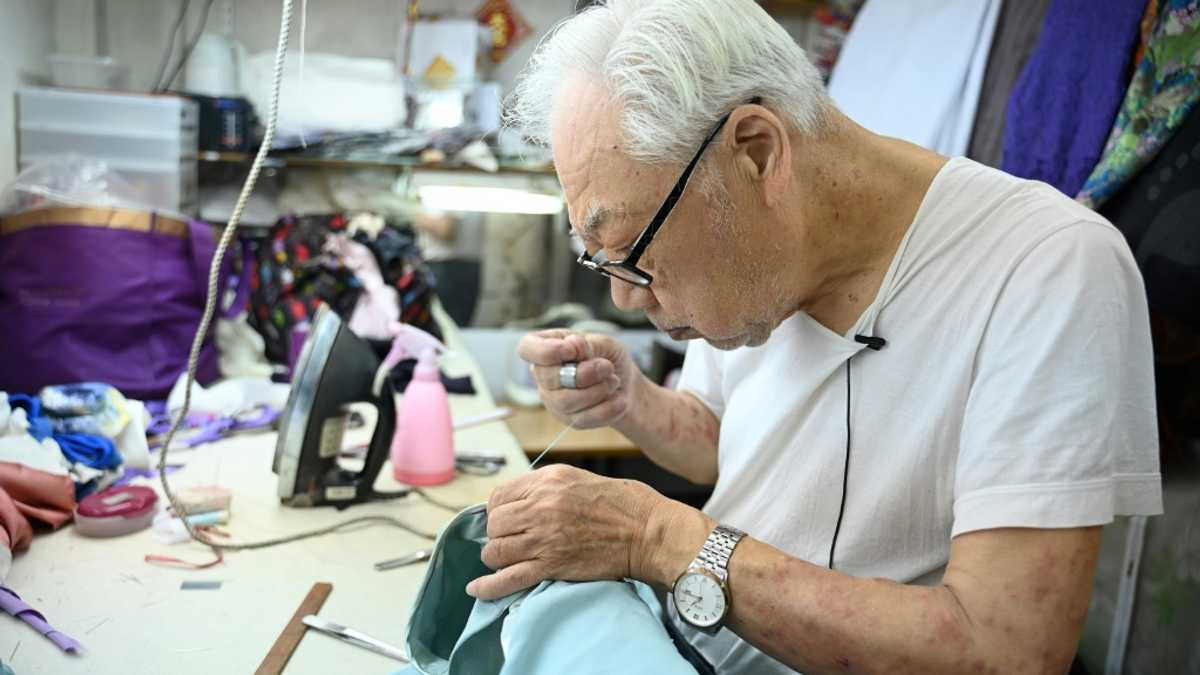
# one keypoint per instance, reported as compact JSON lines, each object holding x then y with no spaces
{"x":1017,"y":33}
{"x":1064,"y":103}
{"x":291,"y":277}
{"x":914,"y":69}
{"x":378,"y":307}
{"x":1164,"y":91}
{"x":591,"y":628}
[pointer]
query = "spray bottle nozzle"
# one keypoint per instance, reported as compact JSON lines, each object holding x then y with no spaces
{"x":409,"y":342}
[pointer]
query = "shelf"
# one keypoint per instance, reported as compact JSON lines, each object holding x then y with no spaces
{"x":280,"y":161}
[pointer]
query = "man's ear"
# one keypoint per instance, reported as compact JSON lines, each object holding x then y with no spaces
{"x":761,"y":149}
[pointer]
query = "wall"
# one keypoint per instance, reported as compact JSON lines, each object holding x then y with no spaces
{"x":25,"y":40}
{"x":138,"y":29}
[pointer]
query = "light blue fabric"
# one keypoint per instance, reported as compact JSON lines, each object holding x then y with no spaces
{"x":593,"y":628}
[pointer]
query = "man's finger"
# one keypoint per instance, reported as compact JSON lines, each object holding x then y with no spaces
{"x":588,"y":373}
{"x":508,"y":519}
{"x":507,"y":581}
{"x":512,"y":491}
{"x":571,"y":402}
{"x":576,"y":348}
{"x":508,"y":551}
{"x":544,"y":348}
{"x":604,"y":414}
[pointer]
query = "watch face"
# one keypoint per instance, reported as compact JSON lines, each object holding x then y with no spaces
{"x":699,"y":599}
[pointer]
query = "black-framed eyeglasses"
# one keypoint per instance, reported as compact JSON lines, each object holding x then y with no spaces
{"x":626,"y":269}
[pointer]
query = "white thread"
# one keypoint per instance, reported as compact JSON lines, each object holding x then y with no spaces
{"x":559,"y":437}
{"x":303,"y":41}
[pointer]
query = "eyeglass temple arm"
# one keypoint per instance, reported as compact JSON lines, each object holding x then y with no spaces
{"x":665,"y":210}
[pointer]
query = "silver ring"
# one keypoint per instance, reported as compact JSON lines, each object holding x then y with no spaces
{"x":566,"y":376}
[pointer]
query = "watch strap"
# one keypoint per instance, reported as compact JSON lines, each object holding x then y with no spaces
{"x":718,"y":549}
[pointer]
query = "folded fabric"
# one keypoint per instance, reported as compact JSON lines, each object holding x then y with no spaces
{"x":1164,"y":92}
{"x":85,"y":408}
{"x":12,"y":604}
{"x":378,"y":307}
{"x":25,"y":416}
{"x":15,"y":532}
{"x":39,"y":496}
{"x":97,"y":452}
{"x":914,"y":69}
{"x":1063,"y":106}
{"x":558,"y":627}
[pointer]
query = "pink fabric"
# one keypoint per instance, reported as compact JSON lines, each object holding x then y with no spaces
{"x":15,"y":530}
{"x":37,"y":495}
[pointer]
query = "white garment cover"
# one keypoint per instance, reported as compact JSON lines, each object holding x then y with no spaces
{"x":913,"y":69}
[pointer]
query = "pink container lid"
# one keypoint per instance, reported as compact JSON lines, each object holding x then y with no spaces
{"x":129,"y":501}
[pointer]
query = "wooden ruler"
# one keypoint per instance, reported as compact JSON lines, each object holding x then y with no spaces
{"x":285,"y":645}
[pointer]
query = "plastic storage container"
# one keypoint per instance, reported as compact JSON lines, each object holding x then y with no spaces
{"x":151,"y":141}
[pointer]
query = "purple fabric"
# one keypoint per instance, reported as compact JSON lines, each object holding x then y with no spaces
{"x":12,"y":603}
{"x":1063,"y":106}
{"x":81,"y":303}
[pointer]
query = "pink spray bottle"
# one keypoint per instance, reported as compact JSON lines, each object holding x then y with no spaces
{"x":423,"y":445}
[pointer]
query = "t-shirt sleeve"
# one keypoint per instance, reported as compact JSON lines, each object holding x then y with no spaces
{"x":701,"y":376}
{"x":1060,"y":427}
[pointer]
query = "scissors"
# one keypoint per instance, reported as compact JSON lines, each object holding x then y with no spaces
{"x":480,"y":465}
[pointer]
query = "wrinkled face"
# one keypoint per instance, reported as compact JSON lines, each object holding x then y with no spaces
{"x":710,"y":263}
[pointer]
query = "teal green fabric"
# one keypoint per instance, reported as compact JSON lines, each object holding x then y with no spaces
{"x":593,"y":628}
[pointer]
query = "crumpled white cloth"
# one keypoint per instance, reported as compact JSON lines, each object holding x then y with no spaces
{"x":18,"y":447}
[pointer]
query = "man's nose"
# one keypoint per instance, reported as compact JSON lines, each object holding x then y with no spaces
{"x":628,"y":297}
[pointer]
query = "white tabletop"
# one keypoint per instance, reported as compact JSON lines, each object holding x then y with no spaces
{"x":134,"y":618}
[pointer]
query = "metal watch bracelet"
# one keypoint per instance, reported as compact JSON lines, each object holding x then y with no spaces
{"x":718,"y":549}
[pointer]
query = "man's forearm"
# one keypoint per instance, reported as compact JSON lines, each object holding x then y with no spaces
{"x":1025,"y":618}
{"x":675,"y":430}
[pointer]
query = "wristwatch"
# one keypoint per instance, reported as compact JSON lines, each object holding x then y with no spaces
{"x":701,"y":594}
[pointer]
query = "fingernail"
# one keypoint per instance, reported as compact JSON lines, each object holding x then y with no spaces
{"x":471,"y":589}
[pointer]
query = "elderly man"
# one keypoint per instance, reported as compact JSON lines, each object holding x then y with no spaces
{"x":918,"y":384}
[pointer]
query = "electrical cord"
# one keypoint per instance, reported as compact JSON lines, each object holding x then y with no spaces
{"x":187,"y":51}
{"x":206,"y":320}
{"x":166,"y":59}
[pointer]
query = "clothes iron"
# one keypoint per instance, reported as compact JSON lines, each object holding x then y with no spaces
{"x":335,"y":368}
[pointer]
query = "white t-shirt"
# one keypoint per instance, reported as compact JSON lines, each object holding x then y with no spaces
{"x":1016,"y":389}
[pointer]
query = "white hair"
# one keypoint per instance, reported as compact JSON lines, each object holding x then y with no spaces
{"x":673,"y":68}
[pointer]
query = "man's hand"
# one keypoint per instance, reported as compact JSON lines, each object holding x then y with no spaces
{"x":565,"y":523}
{"x":607,"y":377}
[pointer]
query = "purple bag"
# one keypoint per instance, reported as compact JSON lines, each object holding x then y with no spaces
{"x":102,"y":295}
